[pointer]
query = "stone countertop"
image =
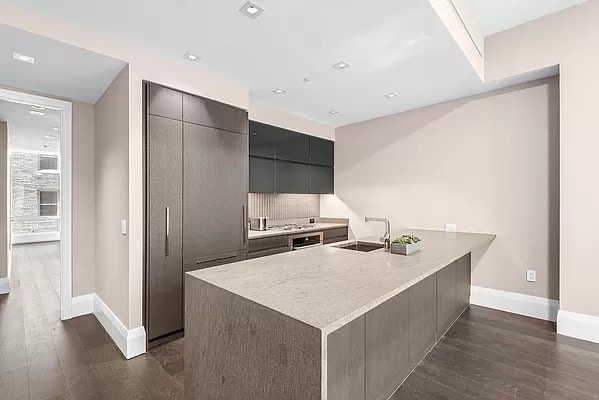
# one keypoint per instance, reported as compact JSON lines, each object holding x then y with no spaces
{"x":327,"y":287}
{"x":319,"y":226}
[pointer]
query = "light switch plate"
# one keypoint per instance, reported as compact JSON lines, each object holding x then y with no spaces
{"x":531,"y":275}
{"x":451,"y":228}
{"x":124,"y":227}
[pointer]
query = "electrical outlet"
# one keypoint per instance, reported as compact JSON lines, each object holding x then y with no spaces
{"x":451,"y":228}
{"x":531,"y":275}
{"x":124,"y":227}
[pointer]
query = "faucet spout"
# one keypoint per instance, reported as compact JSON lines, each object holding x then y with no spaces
{"x":386,"y":238}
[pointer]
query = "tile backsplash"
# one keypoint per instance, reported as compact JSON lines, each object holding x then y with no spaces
{"x":283,"y":206}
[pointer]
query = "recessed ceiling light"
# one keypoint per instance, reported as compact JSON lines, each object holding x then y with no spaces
{"x":38,"y":108}
{"x":50,"y":137}
{"x":333,"y":112}
{"x":34,"y":112}
{"x":192,"y":57}
{"x":341,"y":65}
{"x":306,"y":80}
{"x":23,"y":57}
{"x":251,"y":10}
{"x":279,"y":91}
{"x":44,"y":146}
{"x":391,"y":95}
{"x":56,"y":128}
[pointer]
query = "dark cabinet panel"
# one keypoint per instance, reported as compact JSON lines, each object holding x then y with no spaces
{"x":345,"y":362}
{"x":423,"y":317}
{"x":262,"y":139}
{"x":322,"y":151}
{"x":292,"y":177}
{"x":210,"y":261}
{"x":322,"y":179}
{"x":446,"y":297}
{"x":214,"y":191}
{"x":262,"y":175}
{"x":214,"y":114}
{"x":292,"y":146}
{"x":387,"y":344}
{"x":464,"y":281}
{"x":165,"y":270}
{"x":165,"y":102}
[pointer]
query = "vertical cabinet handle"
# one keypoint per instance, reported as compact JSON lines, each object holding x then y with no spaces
{"x":243,"y":225}
{"x":168,"y":231}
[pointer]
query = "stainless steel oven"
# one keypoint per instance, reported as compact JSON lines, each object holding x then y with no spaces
{"x":305,"y":240}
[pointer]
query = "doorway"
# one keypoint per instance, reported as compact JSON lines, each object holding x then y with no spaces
{"x":40,"y":184}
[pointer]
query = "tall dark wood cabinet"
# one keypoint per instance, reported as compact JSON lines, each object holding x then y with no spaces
{"x":196,"y":197}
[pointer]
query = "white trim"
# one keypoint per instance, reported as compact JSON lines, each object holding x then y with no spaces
{"x":4,"y":285}
{"x":82,"y":305}
{"x":579,"y":326}
{"x":66,"y":183}
{"x":516,"y":303}
{"x":36,"y":237}
{"x":131,"y":342}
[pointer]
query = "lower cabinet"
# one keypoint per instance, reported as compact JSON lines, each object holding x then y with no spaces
{"x":335,"y":235}
{"x":267,"y":246}
{"x":370,"y":357}
{"x":213,"y":260}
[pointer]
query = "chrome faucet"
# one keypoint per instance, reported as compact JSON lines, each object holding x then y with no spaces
{"x":386,"y":238}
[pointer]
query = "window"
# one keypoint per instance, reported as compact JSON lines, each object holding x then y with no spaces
{"x":48,"y":203}
{"x":48,"y":163}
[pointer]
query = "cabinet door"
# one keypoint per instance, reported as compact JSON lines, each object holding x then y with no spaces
{"x":387,"y":344}
{"x":292,"y":177}
{"x":214,"y":191}
{"x":214,"y":114}
{"x":292,"y":146}
{"x":322,"y":151}
{"x":464,"y":282}
{"x":262,"y":175}
{"x":165,"y":102}
{"x":262,"y":140}
{"x":322,"y":179}
{"x":165,"y":268}
{"x":446,"y":297}
{"x":423,"y":317}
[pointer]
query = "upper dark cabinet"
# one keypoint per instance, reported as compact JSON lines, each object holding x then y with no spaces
{"x":292,"y":177}
{"x":262,"y":175}
{"x":292,"y":146}
{"x":322,"y":151}
{"x":214,"y":114}
{"x":322,"y":180}
{"x":262,"y":140}
{"x":165,"y":102}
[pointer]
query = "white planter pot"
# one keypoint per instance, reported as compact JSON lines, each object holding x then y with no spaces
{"x":405,"y":249}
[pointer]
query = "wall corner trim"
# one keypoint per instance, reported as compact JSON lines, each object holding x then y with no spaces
{"x":131,"y":342}
{"x":516,"y":303}
{"x":579,"y":326}
{"x":82,"y":305}
{"x":4,"y":285}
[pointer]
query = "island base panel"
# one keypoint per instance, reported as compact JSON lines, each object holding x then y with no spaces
{"x":236,"y":349}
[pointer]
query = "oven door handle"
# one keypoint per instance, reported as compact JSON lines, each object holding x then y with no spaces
{"x":307,"y":247}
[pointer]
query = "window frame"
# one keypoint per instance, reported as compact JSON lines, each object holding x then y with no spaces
{"x":40,"y":204}
{"x":52,"y":171}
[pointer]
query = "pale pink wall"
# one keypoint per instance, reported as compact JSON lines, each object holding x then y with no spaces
{"x":112,"y":196}
{"x":487,"y":163}
{"x":568,"y":38}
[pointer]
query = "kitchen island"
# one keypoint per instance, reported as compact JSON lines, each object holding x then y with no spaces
{"x":323,"y":323}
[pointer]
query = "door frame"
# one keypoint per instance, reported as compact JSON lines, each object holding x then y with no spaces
{"x":66,"y":189}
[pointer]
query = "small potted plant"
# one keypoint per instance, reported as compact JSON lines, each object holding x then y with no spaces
{"x":405,"y":245}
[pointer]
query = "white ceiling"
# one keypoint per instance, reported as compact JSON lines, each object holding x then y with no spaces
{"x":499,"y":15}
{"x":60,"y":69}
{"x":395,"y":46}
{"x":26,"y":131}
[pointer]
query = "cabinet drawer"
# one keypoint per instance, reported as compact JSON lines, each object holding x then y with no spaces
{"x":206,"y":112}
{"x":191,"y":264}
{"x":335,"y":232}
{"x":267,"y":252}
{"x":269,"y":242}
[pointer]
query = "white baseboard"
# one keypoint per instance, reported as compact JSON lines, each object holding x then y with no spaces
{"x":130,"y":342}
{"x":4,"y":285}
{"x":35,"y":237}
{"x":82,"y":305}
{"x":516,"y":303}
{"x":579,"y":326}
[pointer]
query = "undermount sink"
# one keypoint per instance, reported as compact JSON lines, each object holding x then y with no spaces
{"x":361,"y":246}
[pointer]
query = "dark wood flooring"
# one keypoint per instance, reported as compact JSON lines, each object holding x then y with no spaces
{"x":486,"y":355}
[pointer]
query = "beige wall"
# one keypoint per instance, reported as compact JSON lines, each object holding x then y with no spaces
{"x":487,"y":163}
{"x":268,"y":115}
{"x":567,"y":38}
{"x":4,"y":202}
{"x":84,"y":198}
{"x":111,"y":196}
